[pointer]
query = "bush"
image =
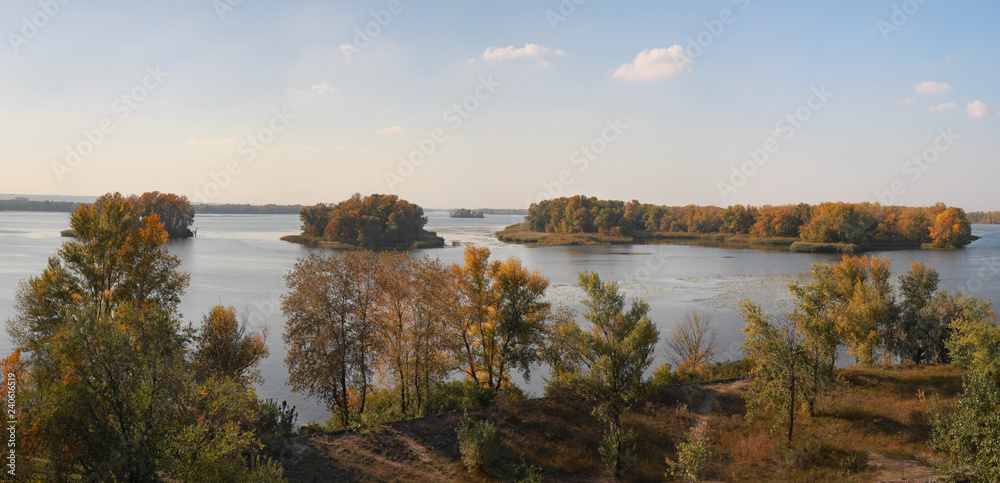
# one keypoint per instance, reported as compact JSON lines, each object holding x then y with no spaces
{"x":692,"y":455}
{"x":968,"y":430}
{"x":381,"y":406}
{"x":477,"y":442}
{"x":275,"y":422}
{"x":456,"y":396}
{"x":618,"y":449}
{"x":807,"y":247}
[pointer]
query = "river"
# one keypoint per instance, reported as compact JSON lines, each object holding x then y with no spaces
{"x":239,"y":260}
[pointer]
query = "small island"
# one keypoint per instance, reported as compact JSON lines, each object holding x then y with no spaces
{"x":826,"y":227}
{"x":376,"y":221}
{"x":466,"y":213}
{"x":175,"y":212}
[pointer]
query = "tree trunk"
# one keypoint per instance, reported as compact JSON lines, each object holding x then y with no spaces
{"x":791,"y":409}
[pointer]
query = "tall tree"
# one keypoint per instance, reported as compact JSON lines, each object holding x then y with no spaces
{"x":103,"y":339}
{"x":331,"y":327}
{"x":615,"y":355}
{"x":503,"y":317}
{"x":781,"y":379}
{"x":918,"y":335}
{"x":416,"y":298}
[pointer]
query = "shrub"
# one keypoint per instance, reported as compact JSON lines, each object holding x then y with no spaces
{"x":477,"y":442}
{"x":618,"y":449}
{"x":807,"y":247}
{"x":456,"y":396}
{"x":275,"y":422}
{"x":692,"y":455}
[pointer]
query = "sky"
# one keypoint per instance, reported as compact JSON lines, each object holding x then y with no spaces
{"x":499,"y":104}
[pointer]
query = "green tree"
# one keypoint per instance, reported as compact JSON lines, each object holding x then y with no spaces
{"x":919,"y":336}
{"x":103,"y":339}
{"x":975,"y":336}
{"x":615,"y":354}
{"x":968,"y":431}
{"x":781,"y":378}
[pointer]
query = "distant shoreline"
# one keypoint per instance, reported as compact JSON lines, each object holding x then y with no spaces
{"x":519,"y":234}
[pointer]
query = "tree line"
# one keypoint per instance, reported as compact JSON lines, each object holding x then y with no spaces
{"x":382,"y":336}
{"x":369,"y":221}
{"x":863,"y":224}
{"x":985,"y":217}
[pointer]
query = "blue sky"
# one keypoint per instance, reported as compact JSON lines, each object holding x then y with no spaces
{"x":299,"y":108}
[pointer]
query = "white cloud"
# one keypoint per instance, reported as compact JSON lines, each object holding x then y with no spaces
{"x":977,"y":109}
{"x":323,"y":88}
{"x":392,"y":129}
{"x":931,"y":87}
{"x":941,"y":107}
{"x":656,"y":63}
{"x":908,"y":100}
{"x":529,"y":51}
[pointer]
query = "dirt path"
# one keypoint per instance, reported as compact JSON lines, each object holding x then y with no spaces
{"x":910,"y":471}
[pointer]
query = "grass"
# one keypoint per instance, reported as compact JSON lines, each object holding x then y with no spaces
{"x":521,"y":234}
{"x":874,"y":411}
{"x":808,"y":247}
{"x":430,"y":240}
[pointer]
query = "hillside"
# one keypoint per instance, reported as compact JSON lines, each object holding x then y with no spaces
{"x":873,"y":429}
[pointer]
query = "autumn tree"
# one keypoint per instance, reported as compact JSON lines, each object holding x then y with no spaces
{"x":102,"y":338}
{"x":175,"y":212}
{"x":331,"y":329}
{"x":227,"y":349}
{"x":693,"y":343}
{"x":502,"y":317}
{"x":416,"y":299}
{"x":951,"y":229}
{"x":781,"y":377}
{"x":614,"y":355}
{"x":848,"y":302}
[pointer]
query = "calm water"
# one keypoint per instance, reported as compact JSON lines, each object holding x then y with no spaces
{"x":239,"y":260}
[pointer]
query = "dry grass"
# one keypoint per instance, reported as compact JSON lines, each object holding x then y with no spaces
{"x":875,"y":410}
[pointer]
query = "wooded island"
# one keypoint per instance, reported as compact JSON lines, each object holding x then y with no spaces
{"x":826,"y":227}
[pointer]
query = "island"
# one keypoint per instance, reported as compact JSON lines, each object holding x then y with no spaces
{"x":175,"y":212}
{"x":826,"y":227}
{"x":466,"y":213}
{"x":376,"y":221}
